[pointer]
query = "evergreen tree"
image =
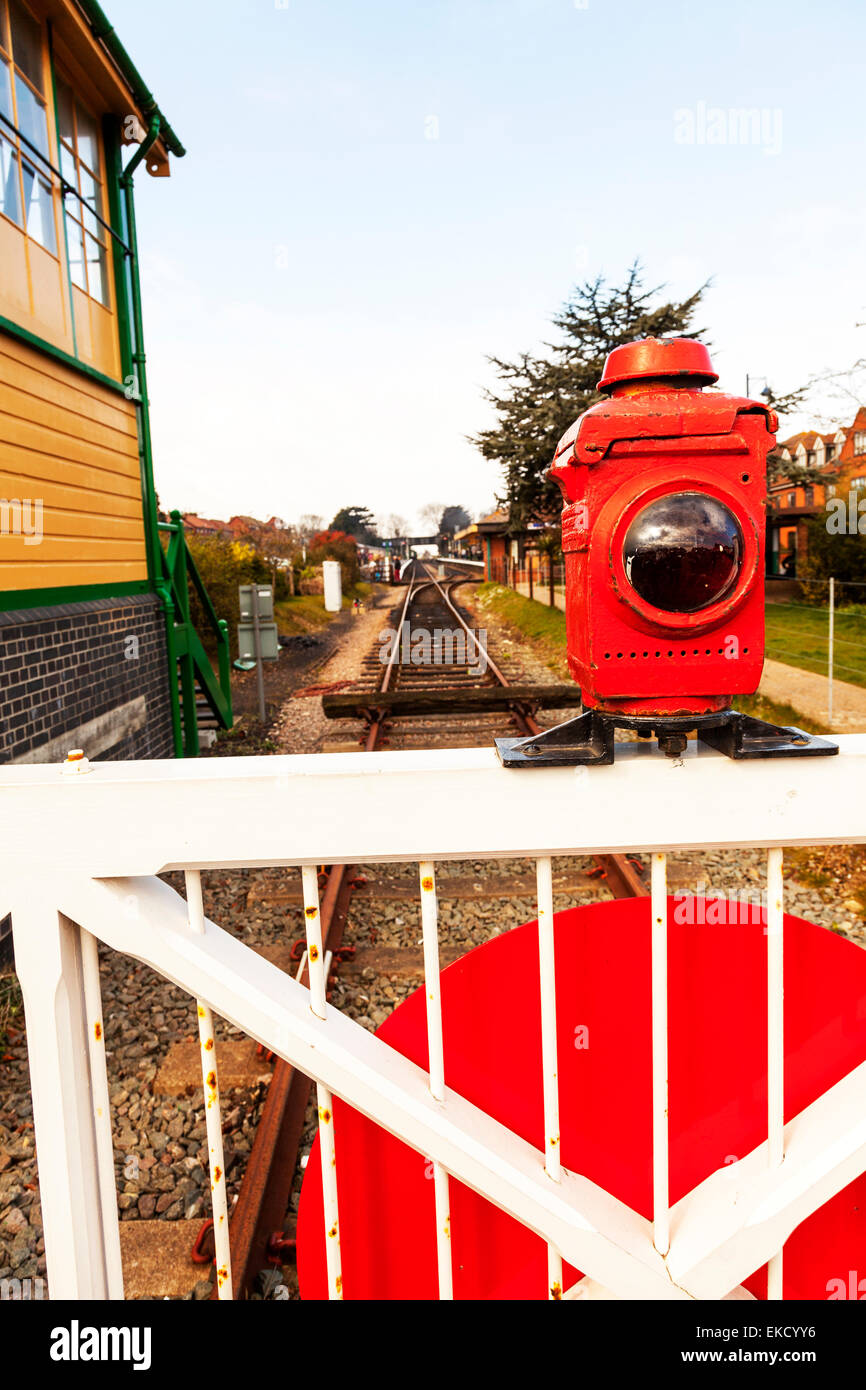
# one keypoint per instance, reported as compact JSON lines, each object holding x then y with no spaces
{"x":356,"y":521}
{"x":453,"y":519}
{"x":542,"y":396}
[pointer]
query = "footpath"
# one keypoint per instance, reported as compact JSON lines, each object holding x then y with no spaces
{"x":807,"y":692}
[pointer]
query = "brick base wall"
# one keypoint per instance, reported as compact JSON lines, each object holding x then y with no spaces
{"x":97,"y":668}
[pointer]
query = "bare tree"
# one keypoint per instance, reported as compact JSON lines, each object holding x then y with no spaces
{"x":430,"y":515}
{"x":844,"y":392}
{"x":310,"y":524}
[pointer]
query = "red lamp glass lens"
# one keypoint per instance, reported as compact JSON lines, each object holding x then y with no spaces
{"x":683,"y":552}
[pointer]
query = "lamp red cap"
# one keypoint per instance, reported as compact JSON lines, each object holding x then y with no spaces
{"x":658,"y":357}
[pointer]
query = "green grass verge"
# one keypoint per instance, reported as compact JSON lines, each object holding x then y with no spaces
{"x":307,"y":613}
{"x":545,"y":630}
{"x":776,"y":713}
{"x":544,"y":627}
{"x":797,"y":634}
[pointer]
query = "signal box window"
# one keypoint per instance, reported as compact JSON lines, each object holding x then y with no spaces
{"x":25,"y":177}
{"x":81,"y":167}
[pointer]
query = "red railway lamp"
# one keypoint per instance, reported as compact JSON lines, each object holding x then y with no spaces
{"x":663,"y":527}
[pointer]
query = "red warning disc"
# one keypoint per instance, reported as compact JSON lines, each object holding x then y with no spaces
{"x":717,"y":983}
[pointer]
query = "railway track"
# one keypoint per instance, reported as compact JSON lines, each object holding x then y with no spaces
{"x":433,"y":685}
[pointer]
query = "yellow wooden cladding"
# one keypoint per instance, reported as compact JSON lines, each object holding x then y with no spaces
{"x":69,"y":455}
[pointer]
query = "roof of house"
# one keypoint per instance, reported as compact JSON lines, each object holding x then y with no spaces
{"x":805,"y":437}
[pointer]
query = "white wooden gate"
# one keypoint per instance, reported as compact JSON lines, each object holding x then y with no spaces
{"x":80,"y":853}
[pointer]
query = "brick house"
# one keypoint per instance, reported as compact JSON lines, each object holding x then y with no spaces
{"x":840,"y":457}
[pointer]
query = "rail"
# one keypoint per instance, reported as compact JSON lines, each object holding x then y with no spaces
{"x":81,"y":854}
{"x":188,"y":661}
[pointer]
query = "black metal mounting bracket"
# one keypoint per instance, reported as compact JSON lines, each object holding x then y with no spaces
{"x":588,"y":740}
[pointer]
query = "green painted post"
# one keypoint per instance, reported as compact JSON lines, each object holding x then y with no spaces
{"x":180,"y":587}
{"x":224,"y":657}
{"x":171,"y":652}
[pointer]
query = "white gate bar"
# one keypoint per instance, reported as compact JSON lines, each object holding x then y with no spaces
{"x":775,"y":1038}
{"x":430,"y":935}
{"x":739,"y":1217}
{"x":436,"y":1066}
{"x":549,"y":1058}
{"x":252,"y":812}
{"x":328,"y":1157}
{"x":315,"y":948}
{"x":324,"y":1099}
{"x":212,"y":1111}
{"x":661,"y":1180}
{"x":82,"y":1246}
{"x":101,"y":1108}
{"x":442,"y":1201}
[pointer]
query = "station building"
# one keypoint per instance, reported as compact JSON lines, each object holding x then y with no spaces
{"x":96,"y":645}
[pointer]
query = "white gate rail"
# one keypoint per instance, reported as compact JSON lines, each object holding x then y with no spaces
{"x":78,"y":860}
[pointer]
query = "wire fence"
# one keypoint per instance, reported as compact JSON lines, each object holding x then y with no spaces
{"x":825,"y":634}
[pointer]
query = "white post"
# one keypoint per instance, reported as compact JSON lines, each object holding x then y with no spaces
{"x":327,"y":1147}
{"x":213,"y":1115}
{"x":661,"y":1198}
{"x":549,"y":1057}
{"x":436,"y":1055}
{"x":830,"y":654}
{"x":82,"y":1241}
{"x":332,"y":584}
{"x":775,"y":1039}
{"x":101,"y":1107}
{"x":257,"y":651}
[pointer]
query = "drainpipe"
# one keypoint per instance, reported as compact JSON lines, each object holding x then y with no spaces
{"x":139,"y":363}
{"x":139,"y":367}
